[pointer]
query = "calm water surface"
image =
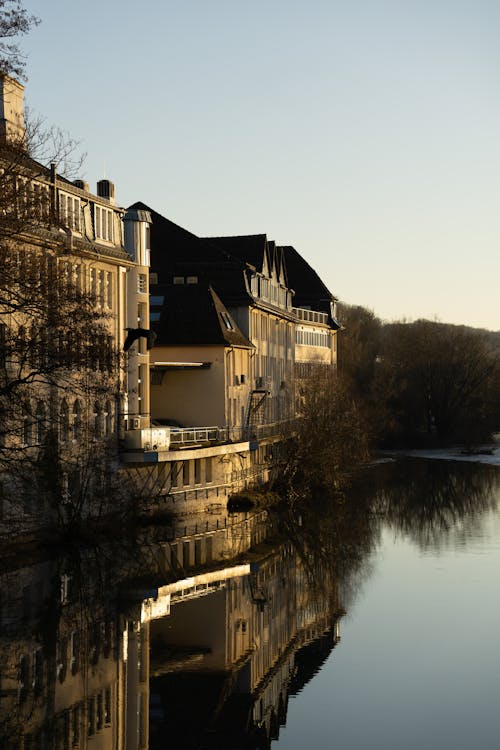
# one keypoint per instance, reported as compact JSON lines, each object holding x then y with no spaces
{"x":419,"y":662}
{"x":368,"y":621}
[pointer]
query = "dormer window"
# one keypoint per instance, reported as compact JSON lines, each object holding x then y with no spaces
{"x":227,"y":321}
{"x":69,"y":211}
{"x":103,"y":221}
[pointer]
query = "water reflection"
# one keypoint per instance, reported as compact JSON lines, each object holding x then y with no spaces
{"x":198,"y":636}
{"x":433,"y":502}
{"x":133,"y":645}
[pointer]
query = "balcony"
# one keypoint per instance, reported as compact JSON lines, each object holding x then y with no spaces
{"x":158,"y":444}
{"x":310,"y":316}
{"x":188,"y":437}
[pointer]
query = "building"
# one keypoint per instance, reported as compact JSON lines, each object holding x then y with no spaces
{"x":180,"y":358}
{"x":75,"y":278}
{"x":240,"y":323}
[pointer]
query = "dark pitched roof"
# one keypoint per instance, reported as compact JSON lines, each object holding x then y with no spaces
{"x":194,"y":315}
{"x":250,"y":248}
{"x":310,"y":291}
{"x":223,"y":263}
{"x":177,"y":252}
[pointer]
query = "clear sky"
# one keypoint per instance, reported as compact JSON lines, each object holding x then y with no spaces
{"x":366,"y":133}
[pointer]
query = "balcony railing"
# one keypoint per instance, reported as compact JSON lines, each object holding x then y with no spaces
{"x":186,"y":436}
{"x":311,"y":316}
{"x":161,"y":439}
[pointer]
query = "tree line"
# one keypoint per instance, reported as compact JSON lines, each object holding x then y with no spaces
{"x":421,"y":383}
{"x":398,"y":385}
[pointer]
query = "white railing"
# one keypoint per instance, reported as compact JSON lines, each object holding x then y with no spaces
{"x":311,"y":316}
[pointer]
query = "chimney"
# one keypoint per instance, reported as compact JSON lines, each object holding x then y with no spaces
{"x":82,"y":185}
{"x":106,"y":190}
{"x":12,"y":130}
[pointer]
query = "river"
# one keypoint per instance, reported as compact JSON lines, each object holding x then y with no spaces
{"x":369,"y":620}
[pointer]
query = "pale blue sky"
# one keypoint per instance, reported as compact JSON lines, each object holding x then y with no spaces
{"x":366,"y":134}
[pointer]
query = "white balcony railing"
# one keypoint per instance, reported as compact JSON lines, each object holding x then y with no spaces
{"x":311,"y":316}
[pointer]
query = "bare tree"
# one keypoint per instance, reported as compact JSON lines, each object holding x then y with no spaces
{"x":329,"y":435}
{"x":437,"y":381}
{"x":14,"y":21}
{"x":49,"y":144}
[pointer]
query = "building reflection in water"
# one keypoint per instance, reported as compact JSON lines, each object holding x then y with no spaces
{"x":197,"y":641}
{"x":196,"y":637}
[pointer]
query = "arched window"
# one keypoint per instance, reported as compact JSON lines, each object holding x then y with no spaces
{"x":77,"y":420}
{"x":40,"y":416}
{"x":108,"y":418}
{"x":27,"y":426}
{"x":34,"y":346}
{"x":98,"y":420}
{"x":64,"y":421}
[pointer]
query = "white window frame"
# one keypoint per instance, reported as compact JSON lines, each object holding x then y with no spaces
{"x":69,"y":211}
{"x":104,"y":228}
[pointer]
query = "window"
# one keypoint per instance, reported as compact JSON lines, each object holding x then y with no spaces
{"x":64,"y":421}
{"x":107,"y":706}
{"x":312,"y":338}
{"x":40,"y":422}
{"x":175,"y":472}
{"x":141,"y":283}
{"x":75,"y":726}
{"x":69,"y":211}
{"x":156,"y":300}
{"x":191,"y":279}
{"x":154,"y":317}
{"x":103,"y":221}
{"x":75,"y":652}
{"x":76,"y":279}
{"x":100,"y":712}
{"x":178,"y":279}
{"x":197,"y":470}
{"x":109,"y":290}
{"x":22,"y":677}
{"x":227,"y":321}
{"x":101,"y":289}
{"x":185,"y":473}
{"x":77,"y":420}
{"x":62,"y":659}
{"x":90,"y":717}
{"x":208,"y":470}
{"x":140,"y":385}
{"x":141,"y":314}
{"x":108,"y":418}
{"x":27,"y":438}
{"x":40,"y":201}
{"x":37,"y":671}
{"x":98,"y":420}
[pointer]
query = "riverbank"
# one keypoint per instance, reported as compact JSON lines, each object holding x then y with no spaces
{"x":488,"y":454}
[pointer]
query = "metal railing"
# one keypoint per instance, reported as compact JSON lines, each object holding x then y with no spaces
{"x":194,"y":435}
{"x":190,"y":436}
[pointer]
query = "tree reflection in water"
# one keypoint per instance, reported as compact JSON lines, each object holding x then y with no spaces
{"x":197,"y":640}
{"x":433,"y":502}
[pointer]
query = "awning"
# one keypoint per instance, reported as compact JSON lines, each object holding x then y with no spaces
{"x":163,"y":366}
